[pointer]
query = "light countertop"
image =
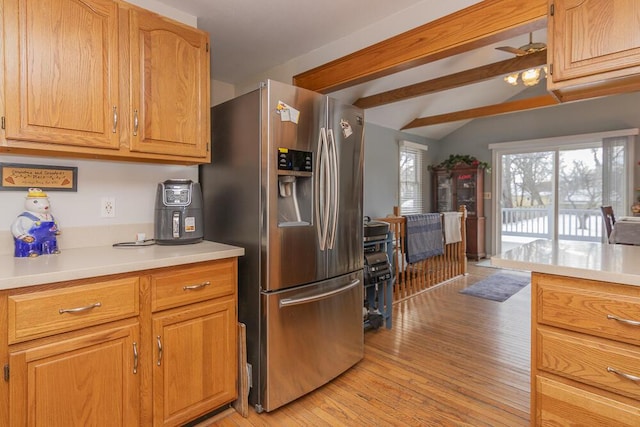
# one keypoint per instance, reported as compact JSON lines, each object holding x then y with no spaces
{"x":587,"y":260}
{"x":98,"y":261}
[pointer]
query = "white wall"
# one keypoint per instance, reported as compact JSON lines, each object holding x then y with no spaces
{"x":221,"y":91}
{"x":168,"y":11}
{"x":133,"y":185}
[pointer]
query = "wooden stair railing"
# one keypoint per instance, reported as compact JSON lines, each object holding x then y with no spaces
{"x":411,"y":279}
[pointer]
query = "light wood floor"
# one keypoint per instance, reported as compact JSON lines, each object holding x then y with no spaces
{"x":449,"y":360}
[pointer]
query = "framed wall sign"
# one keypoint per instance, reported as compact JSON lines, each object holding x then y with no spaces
{"x":19,"y":177}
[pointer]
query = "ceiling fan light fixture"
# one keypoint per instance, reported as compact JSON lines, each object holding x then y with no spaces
{"x":512,"y":79}
{"x":531,"y":77}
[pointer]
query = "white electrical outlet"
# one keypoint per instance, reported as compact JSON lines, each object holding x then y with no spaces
{"x":487,"y":196}
{"x":108,"y":207}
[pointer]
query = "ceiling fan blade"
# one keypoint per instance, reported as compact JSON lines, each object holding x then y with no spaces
{"x":513,"y":50}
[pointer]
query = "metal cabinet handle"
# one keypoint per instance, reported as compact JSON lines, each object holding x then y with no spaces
{"x":78,"y":309}
{"x":623,"y":375}
{"x":135,"y":122}
{"x":621,"y":320}
{"x":286,"y":302}
{"x":135,"y":358}
{"x":115,"y":119}
{"x":193,"y":287}
{"x":159,"y":341}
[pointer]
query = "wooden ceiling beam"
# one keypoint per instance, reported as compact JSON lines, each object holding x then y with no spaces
{"x":488,"y":110}
{"x":481,"y":24}
{"x":455,"y":80}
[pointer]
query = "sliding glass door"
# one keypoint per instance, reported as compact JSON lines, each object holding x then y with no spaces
{"x":580,"y":194}
{"x":556,"y":192}
{"x":526,"y":197}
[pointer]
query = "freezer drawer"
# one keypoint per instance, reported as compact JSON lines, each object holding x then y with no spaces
{"x":314,"y":333}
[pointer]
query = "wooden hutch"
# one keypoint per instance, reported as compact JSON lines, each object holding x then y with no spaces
{"x":463,"y":185}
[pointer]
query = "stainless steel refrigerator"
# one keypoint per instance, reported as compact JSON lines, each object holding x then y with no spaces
{"x":285,"y":182}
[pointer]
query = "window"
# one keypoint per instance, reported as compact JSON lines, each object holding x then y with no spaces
{"x":553,"y":188}
{"x":413,"y":178}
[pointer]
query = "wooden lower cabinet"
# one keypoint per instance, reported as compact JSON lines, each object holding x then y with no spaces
{"x":84,"y":380}
{"x":560,"y":404}
{"x":194,"y":362}
{"x":125,"y":360}
{"x":475,"y":238}
{"x":585,"y":360}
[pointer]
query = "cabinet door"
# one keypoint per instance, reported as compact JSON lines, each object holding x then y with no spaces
{"x":443,"y":192}
{"x":466,"y":184}
{"x":61,"y":80}
{"x":560,"y":404}
{"x":592,"y":36}
{"x":89,"y":380}
{"x":195,"y":361}
{"x":169,"y":87}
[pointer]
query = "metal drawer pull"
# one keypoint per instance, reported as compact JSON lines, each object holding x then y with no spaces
{"x":198,"y":286}
{"x":159,"y":340}
{"x":623,"y":375}
{"x":621,"y":320}
{"x":135,"y":358}
{"x":78,"y":309}
{"x":135,"y":122}
{"x":115,"y":119}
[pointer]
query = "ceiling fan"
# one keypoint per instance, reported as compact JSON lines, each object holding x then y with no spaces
{"x":526,"y":49}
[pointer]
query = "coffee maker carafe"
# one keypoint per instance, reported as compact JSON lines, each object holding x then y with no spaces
{"x":178,"y":212}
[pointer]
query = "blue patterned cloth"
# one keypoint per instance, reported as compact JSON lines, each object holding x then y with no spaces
{"x":424,"y":237}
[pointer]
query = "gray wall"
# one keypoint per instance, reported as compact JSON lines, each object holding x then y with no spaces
{"x":597,"y":115}
{"x":381,"y":167}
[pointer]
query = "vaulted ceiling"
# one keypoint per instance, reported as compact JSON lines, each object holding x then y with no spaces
{"x":429,"y":78}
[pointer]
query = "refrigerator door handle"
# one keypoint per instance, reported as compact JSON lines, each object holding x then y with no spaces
{"x":334,"y":176}
{"x":287,"y":302}
{"x":319,"y":177}
{"x":322,"y":202}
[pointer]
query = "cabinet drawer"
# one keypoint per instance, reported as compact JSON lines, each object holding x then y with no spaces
{"x":595,"y":308}
{"x":187,"y":285}
{"x":589,"y":360}
{"x":560,"y":404}
{"x":49,"y":312}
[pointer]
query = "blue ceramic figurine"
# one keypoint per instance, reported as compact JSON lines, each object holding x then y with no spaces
{"x":35,"y":230}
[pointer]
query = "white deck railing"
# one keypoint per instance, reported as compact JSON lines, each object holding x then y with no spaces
{"x":573,"y":224}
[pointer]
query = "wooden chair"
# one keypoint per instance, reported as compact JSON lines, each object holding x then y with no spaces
{"x":608,"y":218}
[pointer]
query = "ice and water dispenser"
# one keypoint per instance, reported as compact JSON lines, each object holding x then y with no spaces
{"x":295,"y":187}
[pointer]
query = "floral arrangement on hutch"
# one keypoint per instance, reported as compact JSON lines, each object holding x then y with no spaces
{"x":461,"y":159}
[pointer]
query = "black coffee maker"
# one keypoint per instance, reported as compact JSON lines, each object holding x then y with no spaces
{"x":178,"y":213}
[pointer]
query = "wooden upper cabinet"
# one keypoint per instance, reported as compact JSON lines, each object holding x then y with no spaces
{"x":169,"y":86}
{"x":62,"y":72}
{"x":103,"y":79}
{"x":594,"y":47}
